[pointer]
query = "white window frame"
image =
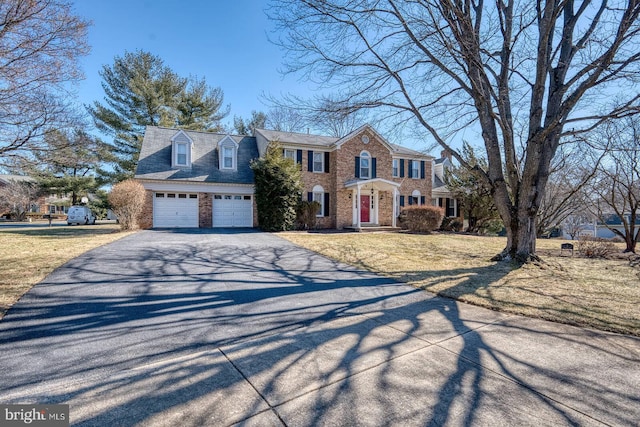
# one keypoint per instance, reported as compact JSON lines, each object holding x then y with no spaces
{"x":415,"y":171}
{"x":319,"y":154}
{"x":395,"y":168}
{"x":181,"y":141}
{"x":290,"y":153}
{"x":227,"y":143}
{"x":227,"y":157}
{"x":365,"y":156}
{"x":415,"y":195}
{"x":183,"y":146}
{"x":318,"y":196}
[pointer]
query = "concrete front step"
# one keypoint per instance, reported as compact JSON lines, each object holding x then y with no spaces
{"x":372,"y":228}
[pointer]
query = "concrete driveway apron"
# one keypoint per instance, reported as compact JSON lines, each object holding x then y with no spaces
{"x":202,"y":327}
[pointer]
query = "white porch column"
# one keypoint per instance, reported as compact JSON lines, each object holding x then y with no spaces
{"x":395,"y":206}
{"x":358,"y":207}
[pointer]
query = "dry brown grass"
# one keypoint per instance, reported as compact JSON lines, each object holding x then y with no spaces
{"x":28,"y":255}
{"x":603,"y":294}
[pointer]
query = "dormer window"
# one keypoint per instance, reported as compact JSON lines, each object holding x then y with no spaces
{"x":227,"y":157}
{"x":181,"y":154}
{"x":181,"y":150}
{"x":228,"y":153}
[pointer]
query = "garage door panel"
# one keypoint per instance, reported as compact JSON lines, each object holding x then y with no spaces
{"x":232,"y":210}
{"x":175,"y":210}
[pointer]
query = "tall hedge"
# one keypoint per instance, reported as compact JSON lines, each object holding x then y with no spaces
{"x":423,"y":219}
{"x":278,"y":187}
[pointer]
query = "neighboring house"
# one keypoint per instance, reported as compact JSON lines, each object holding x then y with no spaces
{"x":47,"y":204}
{"x":441,"y":196}
{"x":5,"y":180}
{"x":600,"y":229}
{"x":199,"y":179}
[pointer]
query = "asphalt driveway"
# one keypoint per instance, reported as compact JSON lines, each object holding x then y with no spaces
{"x":200,"y":327}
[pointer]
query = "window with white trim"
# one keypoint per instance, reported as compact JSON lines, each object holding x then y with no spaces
{"x":318,"y":196}
{"x":290,"y":154}
{"x":181,"y":154}
{"x":365,"y":165}
{"x":227,"y":157}
{"x":415,"y":169}
{"x":228,"y":154}
{"x":415,"y":197}
{"x":318,"y":161}
{"x":396,"y":168}
{"x":181,"y":146}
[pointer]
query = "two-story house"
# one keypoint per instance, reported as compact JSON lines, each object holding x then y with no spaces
{"x":199,"y":179}
{"x":360,"y":179}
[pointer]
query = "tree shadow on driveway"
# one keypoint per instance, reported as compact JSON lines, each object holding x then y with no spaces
{"x":207,"y":328}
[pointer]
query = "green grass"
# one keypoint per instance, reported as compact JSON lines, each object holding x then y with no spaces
{"x":603,"y":294}
{"x":28,"y":255}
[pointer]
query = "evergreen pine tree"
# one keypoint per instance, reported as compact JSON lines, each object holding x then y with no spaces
{"x":140,"y":90}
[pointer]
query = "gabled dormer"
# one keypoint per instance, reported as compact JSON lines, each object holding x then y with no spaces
{"x":441,"y":165}
{"x":227,"y":154}
{"x":181,"y":150}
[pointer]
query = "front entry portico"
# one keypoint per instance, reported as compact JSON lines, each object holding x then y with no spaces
{"x":366,"y":196}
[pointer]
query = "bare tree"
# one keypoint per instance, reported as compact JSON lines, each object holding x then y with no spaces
{"x":575,"y":224}
{"x":17,"y":196}
{"x":285,"y":118}
{"x":40,"y":43}
{"x":617,"y":186}
{"x":524,"y":74}
{"x":572,"y":170}
{"x":325,"y":115}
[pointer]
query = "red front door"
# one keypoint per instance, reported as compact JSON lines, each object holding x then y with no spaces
{"x":365,"y":208}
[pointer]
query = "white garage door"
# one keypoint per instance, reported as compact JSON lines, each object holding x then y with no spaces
{"x":175,"y":210}
{"x":232,"y":210}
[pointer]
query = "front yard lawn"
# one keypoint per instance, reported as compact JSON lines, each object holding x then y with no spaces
{"x":603,"y":294}
{"x":28,"y":255}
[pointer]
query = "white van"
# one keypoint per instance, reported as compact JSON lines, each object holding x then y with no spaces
{"x":80,"y":215}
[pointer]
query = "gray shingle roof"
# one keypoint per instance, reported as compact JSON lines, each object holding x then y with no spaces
{"x":155,"y":158}
{"x":297,"y":138}
{"x":398,"y":149}
{"x":324,"y":141}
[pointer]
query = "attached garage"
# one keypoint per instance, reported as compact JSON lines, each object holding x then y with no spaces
{"x":172,"y":210}
{"x":232,"y":210}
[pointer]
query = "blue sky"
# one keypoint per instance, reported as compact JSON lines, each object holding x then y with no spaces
{"x":224,"y":41}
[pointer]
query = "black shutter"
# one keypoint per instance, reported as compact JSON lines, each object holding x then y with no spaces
{"x":310,"y":160}
{"x":422,"y":200}
{"x":299,"y":157}
{"x":357,"y":167}
{"x":326,"y":162}
{"x":401,"y":200}
{"x":449,"y":211}
{"x":309,"y":196}
{"x":373,"y":167}
{"x":410,"y":168}
{"x":422,"y":169}
{"x":401,"y":168}
{"x":410,"y":199}
{"x":326,"y":204}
